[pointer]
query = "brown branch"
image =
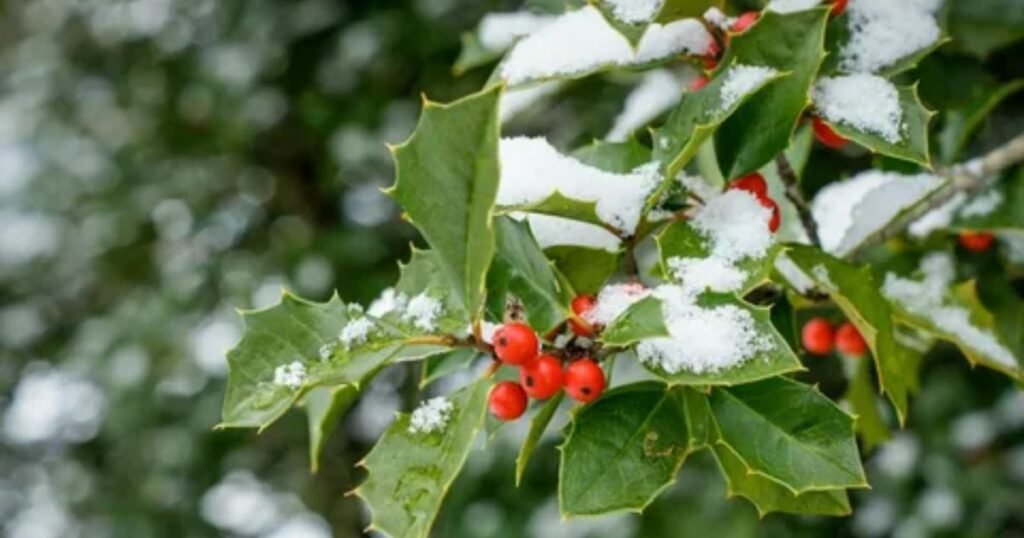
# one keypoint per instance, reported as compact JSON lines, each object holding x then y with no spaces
{"x":791,"y":182}
{"x":967,"y":178}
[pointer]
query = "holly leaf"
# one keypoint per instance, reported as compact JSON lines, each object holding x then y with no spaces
{"x":700,"y":113}
{"x":474,"y":54}
{"x":448,"y":181}
{"x":520,"y":269}
{"x":681,"y":240}
{"x":445,"y":364}
{"x":538,"y":424}
{"x":424,"y":273}
{"x":810,"y":450}
{"x":585,"y":269}
{"x":632,"y":26}
{"x":409,"y":473}
{"x":762,"y":128}
{"x":622,"y":450}
{"x":861,"y":395}
{"x":560,"y":205}
{"x":324,"y":408}
{"x":643,"y":319}
{"x":615,"y":157}
{"x":913,"y":143}
{"x":855,"y":292}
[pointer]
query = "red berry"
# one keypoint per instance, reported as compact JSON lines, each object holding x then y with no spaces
{"x":745,"y":21}
{"x":753,"y":183}
{"x":849,"y":341}
{"x":817,"y":336}
{"x":580,"y":306}
{"x":976,"y":241}
{"x":826,"y":135}
{"x":776,"y":220}
{"x":838,"y":7}
{"x":516,"y":343}
{"x":584,"y":380}
{"x":508,"y":400}
{"x":698,"y":83}
{"x":542,"y":377}
{"x":711,"y":56}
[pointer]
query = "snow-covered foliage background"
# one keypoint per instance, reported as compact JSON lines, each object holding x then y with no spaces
{"x":165,"y":161}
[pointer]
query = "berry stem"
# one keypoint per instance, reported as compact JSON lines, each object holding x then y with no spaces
{"x":791,"y":182}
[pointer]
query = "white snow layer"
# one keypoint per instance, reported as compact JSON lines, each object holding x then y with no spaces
{"x":498,"y":31}
{"x":656,"y":93}
{"x":423,"y":311}
{"x":613,"y":300}
{"x":741,"y":80}
{"x":558,"y":232}
{"x":581,"y":41}
{"x":927,"y":298}
{"x":431,"y":416}
{"x":848,"y":211}
{"x":635,"y":11}
{"x":291,"y":375}
{"x":356,"y":331}
{"x":862,"y":101}
{"x":532,"y":170}
{"x":885,"y":31}
{"x":791,"y":6}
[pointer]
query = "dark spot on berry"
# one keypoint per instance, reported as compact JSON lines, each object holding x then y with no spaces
{"x":502,"y":342}
{"x":529,"y":381}
{"x":585,"y":391}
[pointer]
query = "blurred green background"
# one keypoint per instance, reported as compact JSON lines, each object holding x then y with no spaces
{"x":163,"y":162}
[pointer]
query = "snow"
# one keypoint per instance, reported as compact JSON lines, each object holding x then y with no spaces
{"x":982,"y":205}
{"x":389,"y":301}
{"x":927,"y":298}
{"x":865,"y":102}
{"x":327,"y":350}
{"x":885,"y":31}
{"x":518,"y":100}
{"x":499,"y":31}
{"x":715,"y":16}
{"x":656,"y":93}
{"x":703,"y":340}
{"x":356,"y":331}
{"x":741,"y":80}
{"x":938,"y":218}
{"x":735,"y":226}
{"x":613,"y":300}
{"x":848,"y":211}
{"x":532,"y":170}
{"x":431,"y":416}
{"x":557,"y":231}
{"x":635,"y":11}
{"x":423,"y":311}
{"x":581,"y":41}
{"x":290,"y":375}
{"x":791,"y":6}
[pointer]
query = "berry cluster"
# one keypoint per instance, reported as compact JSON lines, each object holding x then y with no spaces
{"x":756,"y":185}
{"x":542,"y":375}
{"x":820,"y":338}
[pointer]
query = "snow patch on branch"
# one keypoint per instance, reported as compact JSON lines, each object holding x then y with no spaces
{"x":864,"y":102}
{"x":581,"y":41}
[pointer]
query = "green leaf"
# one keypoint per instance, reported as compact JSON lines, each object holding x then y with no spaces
{"x":669,"y":11}
{"x":696,"y":118}
{"x":681,"y":239}
{"x":778,"y":359}
{"x":768,"y":496}
{"x":424,"y":273}
{"x":444,"y":364}
{"x":642,"y":320}
{"x":292,"y":331}
{"x":856,"y":293}
{"x":447,"y":183}
{"x":861,"y":395}
{"x":324,"y":408}
{"x":790,"y":433}
{"x":474,"y":54}
{"x":559,"y":205}
{"x":520,"y":269}
{"x":585,"y":269}
{"x":913,"y":146}
{"x":622,"y":450}
{"x":538,"y":424}
{"x":763,"y":127}
{"x":410,"y":473}
{"x":960,"y":124}
{"x":615,"y":157}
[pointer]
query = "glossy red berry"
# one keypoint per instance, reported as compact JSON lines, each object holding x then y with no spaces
{"x":542,"y":378}
{"x":849,"y":341}
{"x":580,"y":306}
{"x":976,"y":241}
{"x":838,"y":7}
{"x":698,"y":83}
{"x":584,"y":380}
{"x":515,"y":343}
{"x":817,"y":336}
{"x":744,"y":21}
{"x":753,"y":183}
{"x":711,"y":56}
{"x":826,"y":135}
{"x":776,"y":219}
{"x":508,"y":400}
